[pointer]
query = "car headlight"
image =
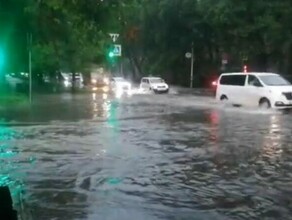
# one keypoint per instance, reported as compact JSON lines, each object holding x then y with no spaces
{"x":66,"y":83}
{"x":106,"y":80}
{"x":105,"y":89}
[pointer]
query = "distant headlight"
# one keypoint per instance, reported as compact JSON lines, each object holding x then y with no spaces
{"x":105,"y":89}
{"x":106,"y":80}
{"x":66,"y":83}
{"x":93,"y":81}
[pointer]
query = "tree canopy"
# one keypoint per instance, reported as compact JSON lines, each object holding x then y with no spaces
{"x":155,"y":35}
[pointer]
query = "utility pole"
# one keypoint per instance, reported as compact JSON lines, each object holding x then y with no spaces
{"x":192,"y":66}
{"x":29,"y":66}
{"x":121,"y":68}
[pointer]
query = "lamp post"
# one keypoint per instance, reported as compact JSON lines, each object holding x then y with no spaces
{"x":190,"y":55}
{"x":192,"y":66}
{"x":29,"y":42}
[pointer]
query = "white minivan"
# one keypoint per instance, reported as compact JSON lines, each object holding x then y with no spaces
{"x":266,"y":90}
{"x":155,"y":84}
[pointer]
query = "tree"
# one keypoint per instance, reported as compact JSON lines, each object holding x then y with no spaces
{"x":155,"y":35}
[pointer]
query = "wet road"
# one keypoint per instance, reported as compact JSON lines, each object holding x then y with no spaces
{"x":147,"y":157}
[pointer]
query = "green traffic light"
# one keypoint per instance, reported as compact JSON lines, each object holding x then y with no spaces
{"x":111,"y":54}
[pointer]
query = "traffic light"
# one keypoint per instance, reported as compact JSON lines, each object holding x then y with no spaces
{"x":111,"y":58}
{"x":114,"y":50}
{"x":245,"y":68}
{"x":111,"y":54}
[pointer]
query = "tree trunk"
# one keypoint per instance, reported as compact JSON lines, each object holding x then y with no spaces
{"x":287,"y":60}
{"x":134,"y":71}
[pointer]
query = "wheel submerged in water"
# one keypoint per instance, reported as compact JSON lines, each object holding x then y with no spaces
{"x":264,"y":104}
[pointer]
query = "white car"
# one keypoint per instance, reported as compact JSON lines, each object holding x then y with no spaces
{"x":68,"y":78}
{"x":119,"y":84}
{"x":155,"y":84}
{"x":266,"y":90}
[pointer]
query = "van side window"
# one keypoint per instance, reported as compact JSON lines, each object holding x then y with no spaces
{"x":233,"y":80}
{"x":253,"y":80}
{"x":144,"y":80}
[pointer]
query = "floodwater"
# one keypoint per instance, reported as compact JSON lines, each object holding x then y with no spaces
{"x":147,"y":157}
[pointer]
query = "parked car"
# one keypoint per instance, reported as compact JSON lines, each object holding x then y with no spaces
{"x":154,"y":84}
{"x":266,"y":90}
{"x":67,"y":79}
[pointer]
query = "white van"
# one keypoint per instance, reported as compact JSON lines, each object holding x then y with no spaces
{"x":155,"y":84}
{"x":266,"y":90}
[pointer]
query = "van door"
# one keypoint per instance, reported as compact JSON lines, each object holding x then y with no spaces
{"x":254,"y":91}
{"x":147,"y":84}
{"x":233,"y":86}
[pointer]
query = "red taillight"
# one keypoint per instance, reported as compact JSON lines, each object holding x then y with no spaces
{"x":245,"y":68}
{"x":214,"y":83}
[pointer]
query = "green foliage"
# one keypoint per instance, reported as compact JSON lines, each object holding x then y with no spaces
{"x":259,"y":31}
{"x":155,"y":35}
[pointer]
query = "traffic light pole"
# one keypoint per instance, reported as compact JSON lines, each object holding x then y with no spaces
{"x":115,"y":52}
{"x":121,"y":67}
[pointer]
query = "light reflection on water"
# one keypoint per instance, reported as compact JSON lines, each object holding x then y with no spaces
{"x":272,"y":141}
{"x":101,"y":105}
{"x":213,"y":118}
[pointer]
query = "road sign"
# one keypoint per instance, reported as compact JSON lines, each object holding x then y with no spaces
{"x":114,"y":36}
{"x":188,"y":55}
{"x":117,"y":50}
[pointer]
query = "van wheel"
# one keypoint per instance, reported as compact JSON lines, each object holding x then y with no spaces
{"x":264,"y":103}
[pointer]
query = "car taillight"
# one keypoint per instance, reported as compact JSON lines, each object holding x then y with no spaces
{"x":214,"y":83}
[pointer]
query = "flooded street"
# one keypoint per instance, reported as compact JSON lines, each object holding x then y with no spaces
{"x":148,"y":157}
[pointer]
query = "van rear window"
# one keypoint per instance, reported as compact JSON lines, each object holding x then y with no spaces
{"x":233,"y":80}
